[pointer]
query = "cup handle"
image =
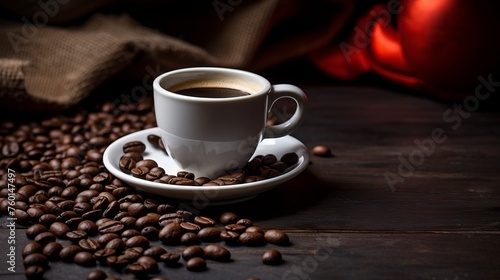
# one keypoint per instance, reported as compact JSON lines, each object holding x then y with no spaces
{"x":287,"y":127}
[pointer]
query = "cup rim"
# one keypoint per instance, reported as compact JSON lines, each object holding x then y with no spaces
{"x":159,"y":89}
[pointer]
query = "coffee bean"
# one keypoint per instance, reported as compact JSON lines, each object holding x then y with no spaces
{"x":51,"y":250}
{"x":188,"y":226}
{"x":105,"y":238}
{"x":97,"y":274}
{"x":101,"y":203}
{"x":245,"y":222}
{"x":228,"y":218}
{"x":68,"y":253}
{"x":155,"y":173}
{"x":150,"y":263}
{"x":196,"y":264}
{"x":116,"y":262}
{"x":204,"y":221}
{"x":44,"y":238}
{"x":278,"y":237}
{"x":322,"y":151}
{"x":170,"y":259}
{"x":272,"y":257}
{"x":102,"y":254}
{"x":129,"y":233}
{"x":269,"y":173}
{"x":21,"y":216}
{"x":139,"y":171}
{"x":279,"y":166}
{"x":102,"y":178}
{"x":93,"y":215}
{"x":34,"y":272}
{"x":181,"y":181}
{"x":235,"y":228}
{"x":116,"y":243}
{"x":155,"y":252}
{"x":209,"y":234}
{"x":193,"y":251}
{"x":32,"y":247}
{"x":254,"y":229}
{"x":165,"y":209}
{"x":148,"y":163}
{"x":229,"y":237}
{"x":171,"y":234}
{"x":34,"y":230}
{"x":137,"y":210}
{"x":88,"y":226}
{"x":252,"y":239}
{"x":84,"y":258}
{"x":217,"y":253}
{"x":134,"y":156}
{"x":112,"y":209}
{"x":81,"y":208}
{"x":190,"y":238}
{"x":37,"y":259}
{"x":76,"y":235}
{"x":34,"y":213}
{"x":133,"y":253}
{"x":128,"y":221}
{"x":89,"y":245}
{"x":150,"y":232}
{"x":148,"y":220}
{"x":126,"y":164}
{"x":290,"y":159}
{"x":112,"y":226}
{"x":134,"y":146}
{"x":233,"y":178}
{"x":154,"y":140}
{"x":137,"y":241}
{"x":59,"y":229}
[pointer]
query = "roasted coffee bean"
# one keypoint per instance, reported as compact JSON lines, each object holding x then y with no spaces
{"x":32,"y":247}
{"x":170,"y":259}
{"x":148,"y":163}
{"x":126,"y":164}
{"x":279,"y":166}
{"x":185,"y":174}
{"x":86,"y":195}
{"x":196,"y":264}
{"x":34,"y":213}
{"x":102,"y":254}
{"x":188,"y":226}
{"x":254,"y":229}
{"x":51,"y":250}
{"x":181,"y":181}
{"x":268,"y":173}
{"x":37,"y":259}
{"x":21,"y":216}
{"x":150,"y":232}
{"x":81,"y":208}
{"x":276,"y":236}
{"x":209,"y":234}
{"x":59,"y":229}
{"x":76,"y":235}
{"x":228,"y":218}
{"x":67,"y":205}
{"x":128,"y":221}
{"x":214,"y":183}
{"x":233,"y":178}
{"x":269,"y":159}
{"x":101,"y":203}
{"x":193,"y":251}
{"x":116,"y":244}
{"x":137,"y":210}
{"x":154,"y":140}
{"x":66,"y":215}
{"x":200,"y":181}
{"x":322,"y":151}
{"x":290,"y":159}
{"x":97,"y":274}
{"x":34,"y":272}
{"x":190,"y":238}
{"x":93,"y":215}
{"x":149,"y":261}
{"x":89,"y":245}
{"x":93,"y":155}
{"x":272,"y":257}
{"x":134,"y":155}
{"x":133,"y":253}
{"x":155,"y":252}
{"x":101,"y":178}
{"x":148,"y":220}
{"x":171,"y":234}
{"x":88,"y":226}
{"x":245,"y":222}
{"x":129,"y":233}
{"x":68,"y":253}
{"x":34,"y":230}
{"x":101,"y":221}
{"x":252,"y":239}
{"x":112,"y":226}
{"x":116,"y":262}
{"x":44,"y":238}
{"x":134,"y":146}
{"x":73,"y":222}
{"x":105,"y":238}
{"x":217,"y":253}
{"x":140,"y":269}
{"x":204,"y":221}
{"x":139,"y":171}
{"x":155,"y":173}
{"x":235,"y":228}
{"x":84,"y":258}
{"x":165,"y":209}
{"x":169,"y":218}
{"x":137,"y":241}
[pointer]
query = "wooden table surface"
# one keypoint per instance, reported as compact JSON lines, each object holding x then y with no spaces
{"x":436,"y":217}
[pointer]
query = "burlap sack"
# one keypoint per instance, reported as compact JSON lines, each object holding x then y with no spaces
{"x":55,"y":53}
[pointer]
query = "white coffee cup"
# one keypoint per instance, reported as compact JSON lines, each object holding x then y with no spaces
{"x":210,"y":136}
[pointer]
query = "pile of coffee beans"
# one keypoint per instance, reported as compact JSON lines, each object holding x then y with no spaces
{"x":259,"y":168}
{"x":54,"y":183}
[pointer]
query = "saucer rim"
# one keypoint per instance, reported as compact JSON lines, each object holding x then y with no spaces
{"x":171,"y":190}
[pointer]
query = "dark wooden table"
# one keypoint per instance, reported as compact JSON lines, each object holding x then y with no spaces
{"x":412,"y":192}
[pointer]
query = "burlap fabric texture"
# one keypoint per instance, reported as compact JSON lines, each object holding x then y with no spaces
{"x":55,"y":53}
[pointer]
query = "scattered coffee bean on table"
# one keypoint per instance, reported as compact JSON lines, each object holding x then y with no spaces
{"x":272,"y":257}
{"x":76,"y":211}
{"x":322,"y":151}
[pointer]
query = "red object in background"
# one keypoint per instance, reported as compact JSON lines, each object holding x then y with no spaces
{"x":434,"y":46}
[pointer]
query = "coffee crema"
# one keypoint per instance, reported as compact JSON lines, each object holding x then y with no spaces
{"x":212,"y":92}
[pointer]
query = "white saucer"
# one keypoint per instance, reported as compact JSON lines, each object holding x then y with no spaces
{"x":198,"y":195}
